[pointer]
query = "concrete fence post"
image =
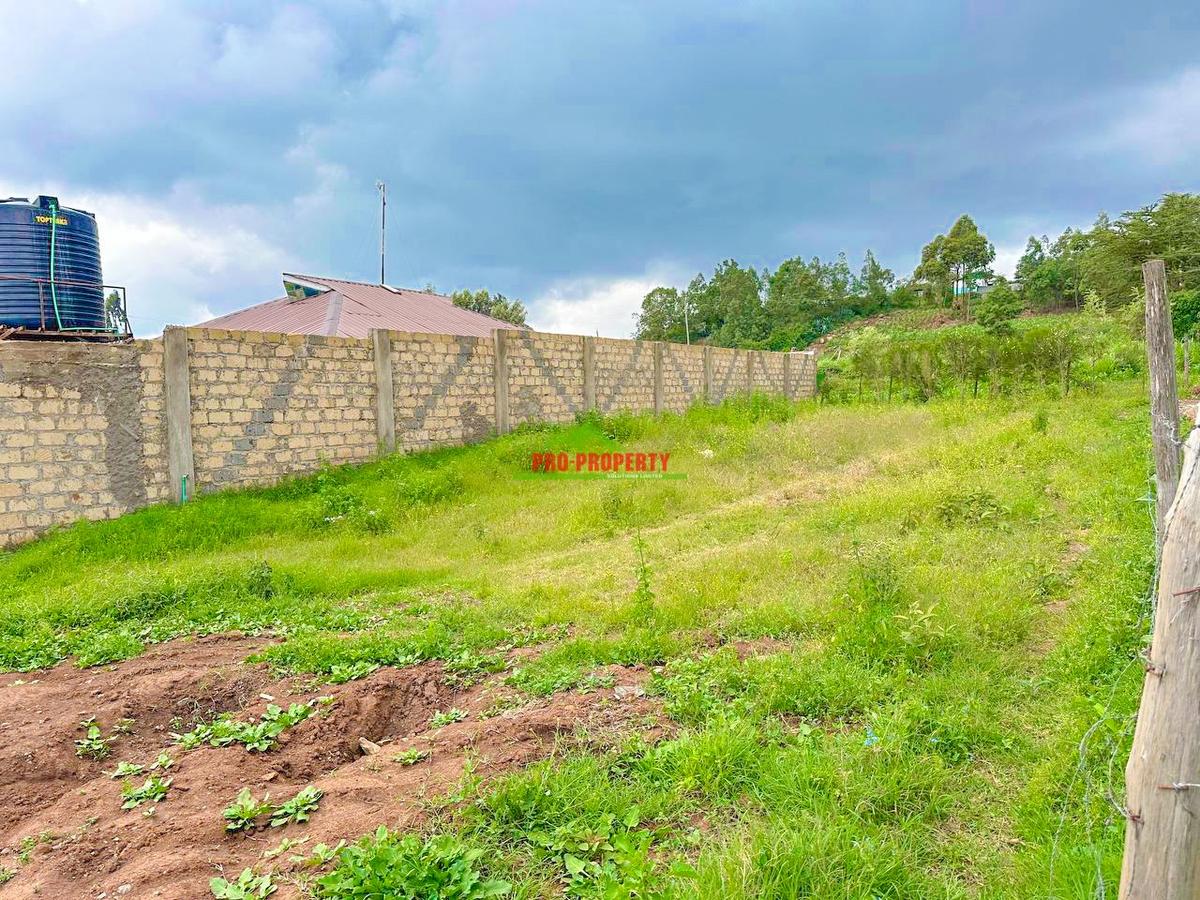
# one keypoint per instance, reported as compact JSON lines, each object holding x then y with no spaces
{"x":589,"y":373}
{"x":708,"y":374}
{"x":658,"y":378}
{"x":787,"y":375}
{"x":500,"y":338}
{"x":385,"y":410}
{"x":749,"y":371}
{"x":181,"y":466}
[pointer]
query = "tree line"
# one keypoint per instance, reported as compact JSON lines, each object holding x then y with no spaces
{"x":739,"y":306}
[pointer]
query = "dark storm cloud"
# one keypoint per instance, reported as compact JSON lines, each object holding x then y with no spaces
{"x":529,"y":143}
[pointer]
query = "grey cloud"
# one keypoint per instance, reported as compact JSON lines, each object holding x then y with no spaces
{"x":532,"y":143}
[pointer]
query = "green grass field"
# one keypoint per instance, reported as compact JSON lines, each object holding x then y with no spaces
{"x":953,"y":592}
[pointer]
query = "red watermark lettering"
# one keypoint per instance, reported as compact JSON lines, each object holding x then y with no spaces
{"x":603,"y":464}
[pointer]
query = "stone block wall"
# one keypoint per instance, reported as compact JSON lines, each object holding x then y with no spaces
{"x":728,"y":373}
{"x":683,"y":376}
{"x":96,"y":430}
{"x":82,"y":433}
{"x":269,"y":405}
{"x":545,"y":376}
{"x":443,"y":389}
{"x":624,"y":375}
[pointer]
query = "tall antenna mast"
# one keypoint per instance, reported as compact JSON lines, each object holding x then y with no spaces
{"x":382,"y":188}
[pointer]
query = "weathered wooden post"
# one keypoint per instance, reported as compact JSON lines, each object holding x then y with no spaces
{"x":1164,"y":396}
{"x":1162,"y":779}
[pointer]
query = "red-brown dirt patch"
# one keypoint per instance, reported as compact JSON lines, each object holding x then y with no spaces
{"x":93,"y":848}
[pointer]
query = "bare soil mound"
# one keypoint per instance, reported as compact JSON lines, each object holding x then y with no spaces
{"x":80,"y":843}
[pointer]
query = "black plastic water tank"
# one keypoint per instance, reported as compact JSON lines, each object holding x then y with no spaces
{"x":49,"y":267}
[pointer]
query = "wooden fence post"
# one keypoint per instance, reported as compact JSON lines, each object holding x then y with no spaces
{"x":1162,"y":779}
{"x":1164,"y":396}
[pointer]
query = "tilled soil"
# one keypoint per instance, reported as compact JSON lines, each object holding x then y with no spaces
{"x":87,"y":846}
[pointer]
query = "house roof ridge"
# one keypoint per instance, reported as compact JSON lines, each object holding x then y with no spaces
{"x":322,"y":279}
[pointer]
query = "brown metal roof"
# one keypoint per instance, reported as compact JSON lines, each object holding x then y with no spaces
{"x":353,"y":308}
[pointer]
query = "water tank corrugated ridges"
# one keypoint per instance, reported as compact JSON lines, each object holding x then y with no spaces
{"x":26,"y":299}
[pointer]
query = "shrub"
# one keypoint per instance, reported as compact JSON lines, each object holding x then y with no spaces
{"x":974,"y":507}
{"x":409,"y":868}
{"x":889,"y":364}
{"x":998,"y":307}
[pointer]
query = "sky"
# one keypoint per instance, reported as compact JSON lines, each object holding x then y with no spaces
{"x":576,"y":154}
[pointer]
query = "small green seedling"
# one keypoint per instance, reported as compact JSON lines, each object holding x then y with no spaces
{"x":468,"y":667}
{"x":298,"y":809}
{"x":153,"y":790}
{"x":255,"y":736}
{"x":6,"y":875}
{"x":123,"y":726}
{"x":126,"y":770}
{"x":93,"y":744}
{"x":411,"y":757}
{"x":163,"y":762}
{"x":284,"y":846}
{"x":29,"y":844}
{"x":439,"y":718}
{"x":321,"y":854}
{"x":243,"y":813}
{"x":26,"y":847}
{"x":247,"y":887}
{"x":343,"y":672}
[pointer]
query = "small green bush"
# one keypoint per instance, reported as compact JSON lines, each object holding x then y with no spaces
{"x":409,"y":868}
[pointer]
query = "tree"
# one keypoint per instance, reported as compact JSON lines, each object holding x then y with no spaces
{"x":1185,"y":317}
{"x":497,"y":306}
{"x":954,"y":263}
{"x":932,"y":274}
{"x":998,"y":307}
{"x":737,"y":293}
{"x":1032,"y":259}
{"x":873,"y":286}
{"x":1068,"y":252}
{"x":1049,"y":271}
{"x":903,"y":295}
{"x":662,"y":316}
{"x":1040,"y":274}
{"x":1168,"y":229}
{"x":968,"y":255}
{"x":798,"y":291}
{"x":1185,"y":313}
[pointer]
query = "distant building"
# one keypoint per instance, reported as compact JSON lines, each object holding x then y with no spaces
{"x":332,"y":307}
